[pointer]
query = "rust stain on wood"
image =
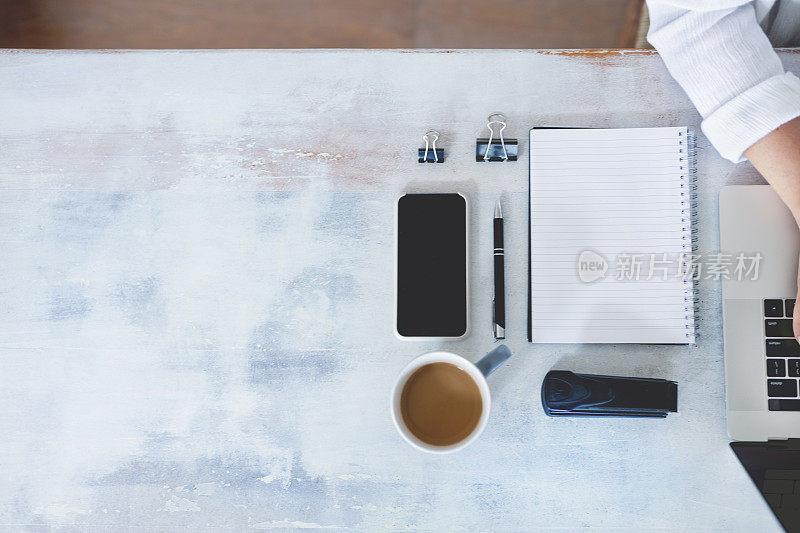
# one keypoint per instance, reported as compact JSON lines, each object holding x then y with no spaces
{"x":429,"y":51}
{"x":599,"y":56}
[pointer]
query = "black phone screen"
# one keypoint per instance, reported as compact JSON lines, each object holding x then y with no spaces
{"x":432,"y":265}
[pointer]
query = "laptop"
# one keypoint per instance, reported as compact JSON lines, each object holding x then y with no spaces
{"x":762,"y":358}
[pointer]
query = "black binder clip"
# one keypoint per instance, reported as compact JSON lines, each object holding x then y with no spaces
{"x":567,"y":394}
{"x":496,"y":149}
{"x":431,"y":154}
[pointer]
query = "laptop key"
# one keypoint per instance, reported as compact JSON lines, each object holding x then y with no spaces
{"x":773,"y":308}
{"x":782,"y":474}
{"x":774,"y":500}
{"x":776,"y":368}
{"x":791,"y":501}
{"x":789,"y":307}
{"x":778,"y":486}
{"x":782,"y":388}
{"x":783,"y":348}
{"x":794,"y":368}
{"x":783,"y":405}
{"x":780,"y":327}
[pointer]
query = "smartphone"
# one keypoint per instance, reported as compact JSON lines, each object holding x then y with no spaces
{"x":431,"y":267}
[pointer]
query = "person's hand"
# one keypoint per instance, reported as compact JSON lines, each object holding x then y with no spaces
{"x":777,"y":158}
{"x":796,"y":314}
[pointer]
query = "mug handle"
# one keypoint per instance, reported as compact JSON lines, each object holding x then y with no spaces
{"x":492,"y":360}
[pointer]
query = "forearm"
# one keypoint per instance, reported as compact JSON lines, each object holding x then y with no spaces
{"x":723,"y":60}
{"x":777,"y":157}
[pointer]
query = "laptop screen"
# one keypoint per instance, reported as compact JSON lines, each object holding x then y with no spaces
{"x":774,"y":467}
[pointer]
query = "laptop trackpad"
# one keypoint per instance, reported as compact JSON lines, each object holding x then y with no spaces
{"x":745,"y":362}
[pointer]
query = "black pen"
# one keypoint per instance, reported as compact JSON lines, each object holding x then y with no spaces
{"x":499,"y":300}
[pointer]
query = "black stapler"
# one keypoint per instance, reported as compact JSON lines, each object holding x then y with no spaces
{"x":565,"y":393}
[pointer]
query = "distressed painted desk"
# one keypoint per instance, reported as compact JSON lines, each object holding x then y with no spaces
{"x":196,"y":298}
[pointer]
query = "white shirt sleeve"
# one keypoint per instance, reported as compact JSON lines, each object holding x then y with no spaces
{"x":721,"y":57}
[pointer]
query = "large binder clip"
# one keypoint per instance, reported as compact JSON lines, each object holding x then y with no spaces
{"x":496,"y":148}
{"x":431,"y":154}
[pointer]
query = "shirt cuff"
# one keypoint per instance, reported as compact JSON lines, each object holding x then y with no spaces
{"x":739,"y":123}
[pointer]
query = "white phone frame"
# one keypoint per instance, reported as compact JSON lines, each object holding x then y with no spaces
{"x":466,"y":270}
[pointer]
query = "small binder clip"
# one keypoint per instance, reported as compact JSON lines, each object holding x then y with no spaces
{"x":431,"y":154}
{"x":496,"y":149}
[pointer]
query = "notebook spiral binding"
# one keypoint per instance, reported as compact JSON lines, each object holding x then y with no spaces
{"x":688,"y":143}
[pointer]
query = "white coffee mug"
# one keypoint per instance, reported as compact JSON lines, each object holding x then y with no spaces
{"x":477,"y":371}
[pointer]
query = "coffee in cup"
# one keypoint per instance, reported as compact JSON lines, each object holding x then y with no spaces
{"x":441,"y":404}
{"x":441,"y":401}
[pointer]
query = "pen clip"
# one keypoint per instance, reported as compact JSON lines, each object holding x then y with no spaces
{"x":494,"y":315}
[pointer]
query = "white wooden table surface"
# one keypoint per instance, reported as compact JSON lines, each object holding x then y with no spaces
{"x":196,"y":298}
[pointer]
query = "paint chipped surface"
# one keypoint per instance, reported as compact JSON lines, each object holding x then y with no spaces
{"x":196,"y":299}
{"x":292,"y":524}
{"x":177,"y":504}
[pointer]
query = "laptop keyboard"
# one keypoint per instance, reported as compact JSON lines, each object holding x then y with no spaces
{"x":783,"y":355}
{"x":781,"y":489}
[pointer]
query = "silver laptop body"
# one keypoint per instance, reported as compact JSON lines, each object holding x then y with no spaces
{"x":753,"y":219}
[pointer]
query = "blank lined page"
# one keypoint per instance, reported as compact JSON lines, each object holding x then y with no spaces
{"x":619,"y":198}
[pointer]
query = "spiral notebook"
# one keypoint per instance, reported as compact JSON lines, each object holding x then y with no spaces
{"x":611,"y":236}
